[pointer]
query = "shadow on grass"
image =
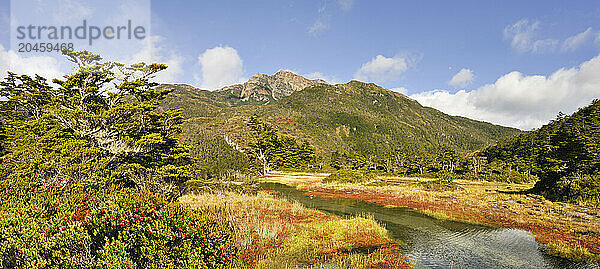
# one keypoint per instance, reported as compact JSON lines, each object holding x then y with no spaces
{"x":524,"y":192}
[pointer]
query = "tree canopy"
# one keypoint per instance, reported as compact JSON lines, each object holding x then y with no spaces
{"x":277,"y":151}
{"x":90,"y":169}
{"x":566,"y":148}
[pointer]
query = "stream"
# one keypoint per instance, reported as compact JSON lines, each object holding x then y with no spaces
{"x":432,"y":243}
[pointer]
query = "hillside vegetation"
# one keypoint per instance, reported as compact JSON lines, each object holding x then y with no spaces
{"x":564,"y":154}
{"x":362,"y":122}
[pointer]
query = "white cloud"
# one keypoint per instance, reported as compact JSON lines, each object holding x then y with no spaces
{"x":382,"y":69}
{"x":522,"y":37}
{"x":520,"y":34}
{"x":322,"y":22}
{"x":401,"y":90}
{"x":346,"y":4}
{"x":53,"y":67}
{"x":463,"y":78}
{"x":45,"y":66}
{"x":577,"y":40}
{"x":221,"y":66}
{"x":544,"y":45}
{"x":153,"y":51}
{"x":319,"y":75}
{"x":522,"y":101}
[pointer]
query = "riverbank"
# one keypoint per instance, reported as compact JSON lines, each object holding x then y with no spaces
{"x":275,"y":233}
{"x":566,"y":230}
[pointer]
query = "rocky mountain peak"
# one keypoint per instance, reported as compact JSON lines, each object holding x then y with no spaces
{"x":266,"y":88}
{"x":258,"y":77}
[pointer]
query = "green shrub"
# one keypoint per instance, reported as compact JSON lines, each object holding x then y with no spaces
{"x":350,"y":176}
{"x":87,"y":183}
{"x":578,"y":189}
{"x":28,"y":242}
{"x":123,"y":229}
{"x":41,"y":225}
{"x":147,"y":231}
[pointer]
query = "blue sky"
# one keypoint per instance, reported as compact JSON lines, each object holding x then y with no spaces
{"x":415,"y":47}
{"x":273,"y":35}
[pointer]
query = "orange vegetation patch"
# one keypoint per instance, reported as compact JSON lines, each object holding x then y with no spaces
{"x":266,"y":228}
{"x":389,"y":258}
{"x":554,"y":223}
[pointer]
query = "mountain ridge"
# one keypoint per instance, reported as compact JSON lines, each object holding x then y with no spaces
{"x":260,"y":89}
{"x":267,"y":88}
{"x":351,"y":117}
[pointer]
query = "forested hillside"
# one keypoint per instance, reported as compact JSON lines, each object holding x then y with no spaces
{"x":565,"y":154}
{"x":361,"y":122}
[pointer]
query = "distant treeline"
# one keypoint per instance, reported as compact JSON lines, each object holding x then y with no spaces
{"x":562,"y":156}
{"x":267,"y":150}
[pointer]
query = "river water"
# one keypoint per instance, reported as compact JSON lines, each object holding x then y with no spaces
{"x":432,"y":243}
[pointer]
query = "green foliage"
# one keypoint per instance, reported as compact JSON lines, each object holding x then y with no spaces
{"x":275,"y":151}
{"x":583,"y":189}
{"x":350,"y":176}
{"x":149,"y":232}
{"x":110,"y":107}
{"x":218,"y":158}
{"x":355,"y":125}
{"x":88,"y":172}
{"x":347,"y":161}
{"x":560,"y":153}
{"x":112,"y":229}
{"x":37,"y":229}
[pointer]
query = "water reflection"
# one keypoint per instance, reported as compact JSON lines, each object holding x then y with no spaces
{"x":432,"y":243}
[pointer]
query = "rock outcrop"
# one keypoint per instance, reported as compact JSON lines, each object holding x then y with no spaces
{"x":264,"y":88}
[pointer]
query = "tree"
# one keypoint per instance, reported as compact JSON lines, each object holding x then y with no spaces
{"x":448,"y":158}
{"x":567,"y":148}
{"x":112,"y":106}
{"x":274,"y":151}
{"x":80,"y":163}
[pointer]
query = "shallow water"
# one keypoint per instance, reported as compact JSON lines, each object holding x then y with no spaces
{"x":431,"y":243}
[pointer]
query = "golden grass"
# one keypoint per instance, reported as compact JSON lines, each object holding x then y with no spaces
{"x":564,"y":228}
{"x":274,"y":233}
{"x":436,"y":215}
{"x":577,"y":254}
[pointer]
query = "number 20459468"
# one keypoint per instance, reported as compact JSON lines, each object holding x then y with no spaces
{"x":44,"y":47}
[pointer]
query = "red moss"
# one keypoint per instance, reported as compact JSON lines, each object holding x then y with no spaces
{"x":545,"y":233}
{"x":389,"y":258}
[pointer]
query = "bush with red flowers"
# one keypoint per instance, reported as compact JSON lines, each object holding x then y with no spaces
{"x":90,"y":171}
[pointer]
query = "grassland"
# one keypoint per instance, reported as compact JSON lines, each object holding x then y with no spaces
{"x":275,"y":233}
{"x":567,"y":230}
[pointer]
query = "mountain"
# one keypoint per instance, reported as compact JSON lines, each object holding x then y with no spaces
{"x":355,"y":117}
{"x":260,"y":89}
{"x":265,"y":88}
